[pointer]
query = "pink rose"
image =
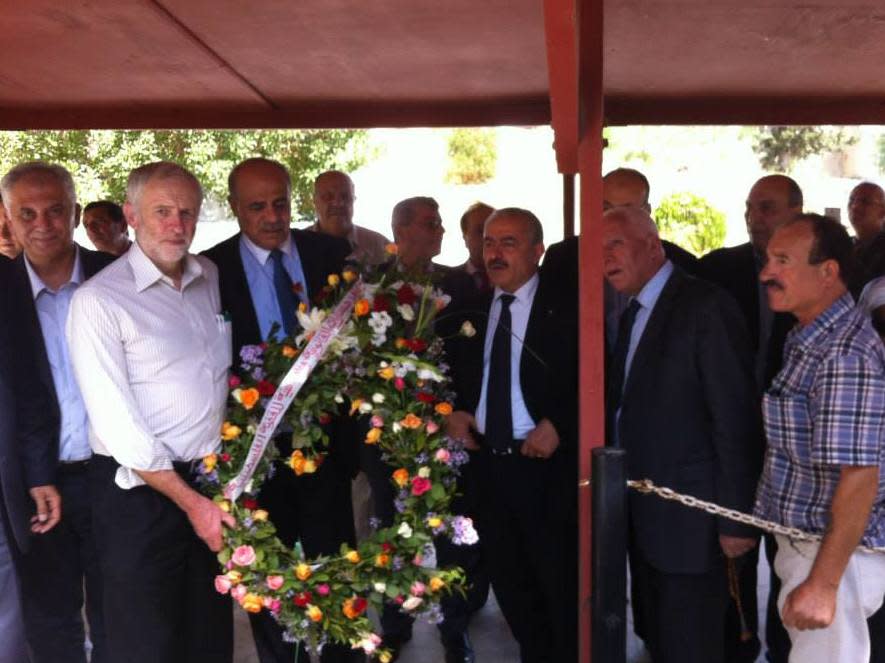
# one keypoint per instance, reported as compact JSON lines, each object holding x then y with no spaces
{"x":399,"y":383}
{"x":377,"y":421}
{"x":243,"y":556}
{"x":233,"y":381}
{"x":237,"y":593}
{"x":275,"y":606}
{"x":432,"y":427}
{"x":274,"y":582}
{"x":222,"y":584}
{"x":418,"y":560}
{"x":417,"y":588}
{"x":443,"y":455}
{"x":323,"y":590}
{"x":420,"y":485}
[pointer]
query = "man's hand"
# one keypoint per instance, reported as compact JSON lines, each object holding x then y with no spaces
{"x":208,"y":519}
{"x":811,"y":605}
{"x":735,"y":546}
{"x":460,"y":426}
{"x":542,"y":441}
{"x":48,"y":503}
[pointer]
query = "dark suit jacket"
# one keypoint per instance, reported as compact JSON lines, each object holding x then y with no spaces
{"x":689,"y":420}
{"x":734,"y":269}
{"x":320,"y":256}
{"x":28,"y":424}
{"x":92,"y":262}
{"x":548,"y":368}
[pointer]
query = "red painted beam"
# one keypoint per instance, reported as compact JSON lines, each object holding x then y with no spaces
{"x":562,"y":71}
{"x":592,"y":409}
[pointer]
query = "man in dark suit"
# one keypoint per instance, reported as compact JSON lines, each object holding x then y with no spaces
{"x":680,"y":401}
{"x":472,"y":224}
{"x":516,"y":386}
{"x":27,"y":464}
{"x":772,"y":201}
{"x":265,"y":271}
{"x":42,"y":211}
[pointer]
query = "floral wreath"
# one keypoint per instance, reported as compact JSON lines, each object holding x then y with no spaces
{"x":384,"y":364}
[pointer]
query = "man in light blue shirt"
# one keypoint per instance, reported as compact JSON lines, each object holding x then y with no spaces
{"x":41,"y":206}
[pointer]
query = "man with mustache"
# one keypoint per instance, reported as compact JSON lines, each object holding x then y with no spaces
{"x":265,"y":272}
{"x":680,"y":401}
{"x":516,"y":407}
{"x":825,"y":430}
{"x":333,"y":197}
{"x":773,"y":200}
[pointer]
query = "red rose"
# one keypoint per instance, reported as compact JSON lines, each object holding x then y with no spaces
{"x":324,"y":418}
{"x":302,"y":599}
{"x":225,"y":457}
{"x":399,"y":600}
{"x":265,"y":388}
{"x":250,"y":503}
{"x":420,"y":485}
{"x":359,"y":605}
{"x":386,"y":547}
{"x":424,"y":397}
{"x":381,"y":304}
{"x":405,"y":295}
{"x":416,"y":344}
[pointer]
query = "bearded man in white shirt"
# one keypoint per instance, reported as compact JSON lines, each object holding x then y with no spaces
{"x":151,"y":353}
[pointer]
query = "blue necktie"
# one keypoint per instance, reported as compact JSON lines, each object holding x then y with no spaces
{"x":499,"y":409}
{"x":285,"y":295}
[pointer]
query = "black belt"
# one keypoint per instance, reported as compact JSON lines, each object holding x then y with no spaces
{"x":514,"y":447}
{"x":73,"y":466}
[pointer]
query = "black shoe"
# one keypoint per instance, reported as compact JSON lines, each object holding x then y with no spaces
{"x":459,"y":649}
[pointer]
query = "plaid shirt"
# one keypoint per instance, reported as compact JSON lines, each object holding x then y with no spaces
{"x":825,"y":409}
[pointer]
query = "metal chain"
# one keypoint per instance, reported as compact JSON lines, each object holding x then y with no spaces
{"x":647,"y":486}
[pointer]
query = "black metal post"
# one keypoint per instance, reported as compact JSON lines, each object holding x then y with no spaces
{"x":609,"y":556}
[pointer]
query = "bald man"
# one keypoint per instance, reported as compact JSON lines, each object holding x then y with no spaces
{"x":866,"y":211}
{"x":680,"y":400}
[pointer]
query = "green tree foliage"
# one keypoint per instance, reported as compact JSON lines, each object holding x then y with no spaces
{"x":473,"y":155}
{"x":778,"y":148}
{"x":691,"y":222}
{"x":100,"y":161}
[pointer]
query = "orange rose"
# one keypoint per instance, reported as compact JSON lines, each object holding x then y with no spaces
{"x":314,"y":614}
{"x":310,"y":466}
{"x":229,"y":431}
{"x":251,"y":603}
{"x":296,"y":462}
{"x":361,"y":308}
{"x":382,"y":560}
{"x":373,"y":436}
{"x":391,"y":249}
{"x":444,"y":409}
{"x":386,"y":373}
{"x":349,"y":275}
{"x":249,"y":397}
{"x":353,"y":607}
{"x":355,"y":405}
{"x":209,"y":463}
{"x":288,"y":351}
{"x":400,"y":343}
{"x":333,"y":280}
{"x":436,"y":584}
{"x":411,"y":421}
{"x":401,"y":477}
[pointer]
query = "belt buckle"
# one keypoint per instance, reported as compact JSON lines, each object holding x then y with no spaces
{"x":507,"y":451}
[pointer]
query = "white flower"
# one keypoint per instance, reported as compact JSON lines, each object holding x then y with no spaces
{"x":404,"y":530}
{"x":424,"y":472}
{"x":429,"y":374}
{"x":378,"y":398}
{"x":467,"y":329}
{"x":379,"y":339}
{"x":396,"y":427}
{"x":365,"y":408}
{"x":380,"y":587}
{"x":406,"y":311}
{"x":380,"y":321}
{"x":339,"y":398}
{"x":412,"y":602}
{"x":310,"y":322}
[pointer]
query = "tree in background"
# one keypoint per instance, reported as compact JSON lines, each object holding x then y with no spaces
{"x":691,"y":222}
{"x":100,"y":161}
{"x":778,"y":148}
{"x":473,"y":155}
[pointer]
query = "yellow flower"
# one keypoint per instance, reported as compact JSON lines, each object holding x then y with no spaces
{"x":386,"y":373}
{"x":296,"y":462}
{"x":411,"y":421}
{"x":310,"y":466}
{"x":289,"y":352}
{"x":436,"y":584}
{"x":355,"y":405}
{"x":251,"y":603}
{"x":333,"y":280}
{"x":445,"y":409}
{"x":352,"y":556}
{"x":385,"y":657}
{"x":434,"y":521}
{"x":259,"y":515}
{"x":361,"y":308}
{"x":224,"y":505}
{"x":234,"y":576}
{"x":302,"y":571}
{"x":373,"y":436}
{"x":302,"y":307}
{"x":401,"y":477}
{"x":382,"y":560}
{"x":229,"y":431}
{"x":391,"y":249}
{"x":314,"y":614}
{"x":249,"y":397}
{"x":349,"y":275}
{"x":209,"y":463}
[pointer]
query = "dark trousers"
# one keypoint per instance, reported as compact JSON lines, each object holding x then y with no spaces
{"x":876,"y":624}
{"x":528,"y":528}
{"x":743,"y":647}
{"x":316,"y":510}
{"x":160,"y":604}
{"x":777,"y":640}
{"x":53,"y":574}
{"x":683,"y":615}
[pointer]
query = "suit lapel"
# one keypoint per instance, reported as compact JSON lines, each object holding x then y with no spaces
{"x":36,"y":331}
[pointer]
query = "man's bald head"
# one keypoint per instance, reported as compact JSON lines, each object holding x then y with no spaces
{"x":632,"y":251}
{"x":333,"y":196}
{"x":866,"y":210}
{"x":773,"y":200}
{"x":625,"y":187}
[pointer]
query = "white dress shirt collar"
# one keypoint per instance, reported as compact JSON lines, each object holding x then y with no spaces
{"x":146,"y":273}
{"x":37,"y":285}
{"x":525,"y":294}
{"x":261,"y":255}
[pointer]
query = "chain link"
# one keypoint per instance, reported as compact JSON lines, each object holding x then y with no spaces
{"x":647,"y":486}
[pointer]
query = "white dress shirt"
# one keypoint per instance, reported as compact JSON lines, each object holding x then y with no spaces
{"x":520,"y":309}
{"x":152,"y":362}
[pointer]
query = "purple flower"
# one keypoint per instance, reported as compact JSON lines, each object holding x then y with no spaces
{"x":463,"y":533}
{"x":258,"y":373}
{"x":399,"y":504}
{"x":434,"y":614}
{"x":252,"y":355}
{"x":397,"y":563}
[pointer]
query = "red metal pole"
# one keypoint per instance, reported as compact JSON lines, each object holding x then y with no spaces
{"x":591,"y":328}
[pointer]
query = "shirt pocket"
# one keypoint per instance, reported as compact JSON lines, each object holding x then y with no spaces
{"x":788,"y":426}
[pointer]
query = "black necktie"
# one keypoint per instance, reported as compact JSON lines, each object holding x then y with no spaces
{"x":499,"y":411}
{"x":616,"y":374}
{"x":285,"y":296}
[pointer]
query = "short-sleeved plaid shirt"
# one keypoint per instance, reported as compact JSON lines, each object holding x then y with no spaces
{"x":825,"y":409}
